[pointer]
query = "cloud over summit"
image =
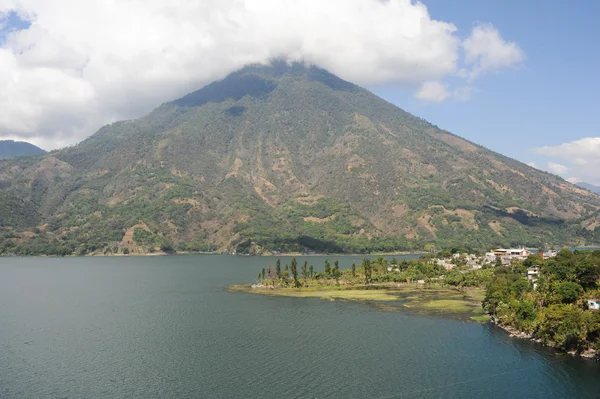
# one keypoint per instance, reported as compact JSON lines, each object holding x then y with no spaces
{"x":81,"y":64}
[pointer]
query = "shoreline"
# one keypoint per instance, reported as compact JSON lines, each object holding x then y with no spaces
{"x":160,"y":253}
{"x":589,"y":354}
{"x":433,"y":300}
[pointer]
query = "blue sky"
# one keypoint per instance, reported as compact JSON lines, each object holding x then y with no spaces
{"x":551,"y":99}
{"x":11,"y":22}
{"x":67,"y":67}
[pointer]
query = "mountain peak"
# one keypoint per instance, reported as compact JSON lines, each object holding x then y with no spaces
{"x":12,"y":149}
{"x":285,"y":157}
{"x":258,"y":80}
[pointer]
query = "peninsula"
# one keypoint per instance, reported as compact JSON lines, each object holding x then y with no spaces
{"x":423,"y":285}
{"x":549,"y":297}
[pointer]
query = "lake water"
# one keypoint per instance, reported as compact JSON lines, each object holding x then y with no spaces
{"x":157,"y":327}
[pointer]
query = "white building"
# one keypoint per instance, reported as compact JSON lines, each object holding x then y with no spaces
{"x":593,"y":304}
{"x":507,"y":255}
{"x":533,"y":273}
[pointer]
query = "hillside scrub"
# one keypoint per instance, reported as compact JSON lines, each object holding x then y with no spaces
{"x":279,"y":159}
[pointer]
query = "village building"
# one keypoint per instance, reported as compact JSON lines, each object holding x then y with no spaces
{"x":507,"y":255}
{"x":533,"y":273}
{"x":593,"y":304}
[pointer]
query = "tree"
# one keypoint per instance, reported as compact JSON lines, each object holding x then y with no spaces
{"x":404,"y":264}
{"x":498,"y":261}
{"x":587,"y":273}
{"x":354,"y":270}
{"x":563,"y":325}
{"x":533,"y":260}
{"x":520,"y":286}
{"x":294,"y":270}
{"x":336,"y":268}
{"x":559,"y":270}
{"x":259,"y":277}
{"x":336,"y":275}
{"x":366,"y":264}
{"x":167,"y":246}
{"x":526,"y":311}
{"x":569,"y":291}
{"x":445,"y":253}
{"x":305,"y":270}
{"x":327,"y":268}
{"x":285,"y":277}
{"x":263,"y":273}
{"x":278,"y":268}
{"x":311,"y":270}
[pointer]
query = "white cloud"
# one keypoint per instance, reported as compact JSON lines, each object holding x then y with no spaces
{"x":581,"y":157}
{"x":532,"y":164}
{"x":557,"y":168}
{"x":486,"y":51}
{"x":432,"y":91}
{"x":581,"y":152}
{"x":85,"y":63}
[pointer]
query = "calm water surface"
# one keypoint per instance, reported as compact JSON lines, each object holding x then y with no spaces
{"x":156,"y":327}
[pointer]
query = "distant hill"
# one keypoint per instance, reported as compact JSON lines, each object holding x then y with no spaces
{"x":283,"y":158}
{"x":13,"y":149}
{"x":591,"y":187}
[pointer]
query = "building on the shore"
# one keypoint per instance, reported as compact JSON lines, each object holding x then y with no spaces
{"x":549,"y":254}
{"x":593,"y":304}
{"x":445,"y":263}
{"x":532,"y":275}
{"x":470,"y":260}
{"x":507,"y":255}
{"x":513,"y":252}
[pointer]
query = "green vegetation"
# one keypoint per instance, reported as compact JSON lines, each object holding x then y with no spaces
{"x":283,"y":158}
{"x":556,"y":311}
{"x":401,"y":285}
{"x":450,"y":305}
{"x":481,"y":319}
{"x":376,"y":271}
{"x":325,"y":292}
{"x":552,"y":307}
{"x":142,"y":237}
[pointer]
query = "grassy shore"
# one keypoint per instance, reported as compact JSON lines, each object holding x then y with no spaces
{"x":464,"y":304}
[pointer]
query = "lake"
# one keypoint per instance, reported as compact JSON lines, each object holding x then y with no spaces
{"x":155,"y":327}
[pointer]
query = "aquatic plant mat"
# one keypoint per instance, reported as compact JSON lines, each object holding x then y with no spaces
{"x":463,"y":304}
